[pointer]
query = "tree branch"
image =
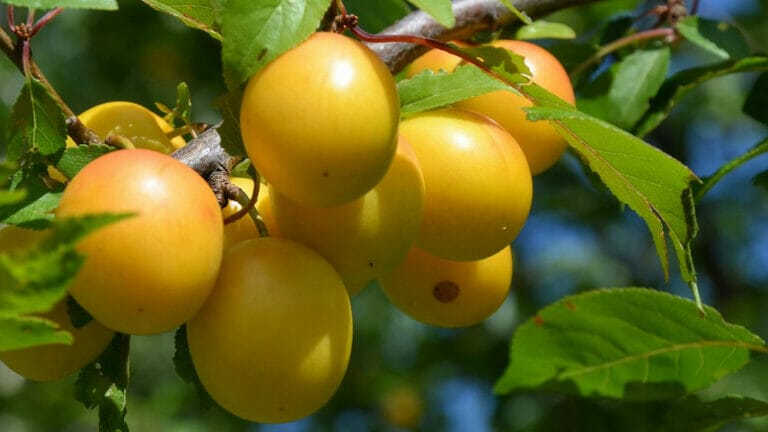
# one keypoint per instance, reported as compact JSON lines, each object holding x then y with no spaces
{"x":472,"y":16}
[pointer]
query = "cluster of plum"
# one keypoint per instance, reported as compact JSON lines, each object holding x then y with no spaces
{"x":426,"y":206}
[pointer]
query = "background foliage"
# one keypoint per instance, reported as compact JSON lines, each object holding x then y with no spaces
{"x":578,"y":238}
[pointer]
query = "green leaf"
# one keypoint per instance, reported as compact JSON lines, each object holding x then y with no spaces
{"x":11,"y":197}
{"x":650,"y":182}
{"x":35,"y":209}
{"x":440,"y":10}
{"x":633,"y":343}
{"x":545,"y":30}
{"x":638,"y":78}
{"x":677,"y":86}
{"x":428,"y":90}
{"x":757,"y":100}
{"x":501,"y":62}
{"x":17,"y":332}
{"x":375,"y":16}
{"x":719,"y":38}
{"x":77,"y":314}
{"x":520,"y":14}
{"x":229,"y":130}
{"x":75,"y":158}
{"x":34,"y":278}
{"x":185,"y":369}
{"x":37,"y":123}
{"x":69,"y":4}
{"x":761,"y":180}
{"x":198,"y":14}
{"x":691,"y":414}
{"x":255,"y":33}
{"x":104,"y":384}
{"x":622,"y":93}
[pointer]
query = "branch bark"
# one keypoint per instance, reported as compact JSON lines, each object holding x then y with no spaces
{"x":472,"y":16}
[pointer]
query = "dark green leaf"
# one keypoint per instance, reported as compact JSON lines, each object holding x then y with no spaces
{"x":75,"y":158}
{"x":594,"y":96}
{"x":719,"y":38}
{"x":255,"y":33}
{"x":231,"y":139}
{"x":377,"y":14}
{"x":185,"y":369}
{"x":761,"y":180}
{"x":545,"y":30}
{"x":17,"y":332}
{"x":691,"y":414}
{"x":198,"y":14}
{"x":653,"y":184}
{"x":756,"y":104}
{"x":632,"y":343}
{"x":69,"y":4}
{"x":37,"y":123}
{"x":440,"y":10}
{"x":104,"y":384}
{"x":77,"y":315}
{"x":638,"y":78}
{"x":684,"y":81}
{"x":428,"y":90}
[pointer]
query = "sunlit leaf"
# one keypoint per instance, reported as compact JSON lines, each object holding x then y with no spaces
{"x":545,"y":30}
{"x":255,"y":33}
{"x":677,"y":86}
{"x":630,"y":343}
{"x":199,"y":14}
{"x":638,"y":78}
{"x":69,"y":4}
{"x":37,"y":123}
{"x":650,"y":182}
{"x":33,"y":279}
{"x":428,"y":90}
{"x":440,"y":10}
{"x":621,"y":94}
{"x":17,"y":332}
{"x":75,"y":158}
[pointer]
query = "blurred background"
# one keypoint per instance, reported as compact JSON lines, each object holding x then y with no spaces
{"x":405,"y":375}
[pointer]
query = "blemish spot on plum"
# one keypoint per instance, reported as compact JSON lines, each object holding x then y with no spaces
{"x":261,"y":55}
{"x":140,"y":310}
{"x":325,"y":174}
{"x":446,"y":291}
{"x":370,"y":264}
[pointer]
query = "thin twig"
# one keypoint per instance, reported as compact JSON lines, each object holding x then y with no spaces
{"x":710,"y":182}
